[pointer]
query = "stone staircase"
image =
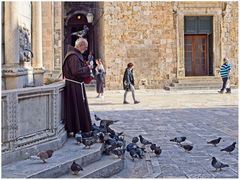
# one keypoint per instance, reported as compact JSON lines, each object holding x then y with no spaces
{"x":94,"y":164}
{"x":196,"y":83}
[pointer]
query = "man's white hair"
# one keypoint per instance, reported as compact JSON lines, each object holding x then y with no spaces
{"x":80,"y":41}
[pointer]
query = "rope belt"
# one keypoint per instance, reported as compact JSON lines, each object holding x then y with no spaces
{"x":81,"y":83}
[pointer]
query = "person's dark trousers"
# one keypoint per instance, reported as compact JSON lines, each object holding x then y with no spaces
{"x":224,"y":83}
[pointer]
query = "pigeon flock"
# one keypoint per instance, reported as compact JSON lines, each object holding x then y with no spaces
{"x":115,"y":144}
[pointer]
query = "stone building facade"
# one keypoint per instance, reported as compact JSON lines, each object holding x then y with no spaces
{"x":151,"y":35}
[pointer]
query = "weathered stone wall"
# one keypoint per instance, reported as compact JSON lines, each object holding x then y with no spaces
{"x":142,"y":33}
{"x":47,"y":30}
{"x":230,"y":37}
{"x":52,"y":37}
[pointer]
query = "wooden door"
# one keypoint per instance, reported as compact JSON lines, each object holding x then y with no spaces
{"x":195,"y":54}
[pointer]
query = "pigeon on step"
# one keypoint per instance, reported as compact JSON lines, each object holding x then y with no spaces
{"x":217,"y":164}
{"x":75,"y":168}
{"x":214,"y":141}
{"x":45,"y":155}
{"x":118,"y":152}
{"x":78,"y":137}
{"x":88,"y":142}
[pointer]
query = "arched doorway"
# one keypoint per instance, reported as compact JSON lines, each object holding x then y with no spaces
{"x":75,"y":21}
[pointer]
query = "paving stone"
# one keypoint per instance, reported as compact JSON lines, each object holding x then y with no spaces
{"x":198,"y":115}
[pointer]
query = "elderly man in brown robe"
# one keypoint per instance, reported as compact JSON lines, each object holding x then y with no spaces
{"x":76,"y":110}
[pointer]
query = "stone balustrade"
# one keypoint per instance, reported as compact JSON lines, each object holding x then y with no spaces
{"x":32,"y":121}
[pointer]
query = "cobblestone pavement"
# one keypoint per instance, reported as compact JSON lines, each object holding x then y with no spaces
{"x":161,"y":115}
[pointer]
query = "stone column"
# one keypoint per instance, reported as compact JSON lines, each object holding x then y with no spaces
{"x":180,"y":45}
{"x":13,"y":74}
{"x":217,"y":44}
{"x":37,"y":61}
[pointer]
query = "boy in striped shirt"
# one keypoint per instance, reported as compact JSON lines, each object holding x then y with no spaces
{"x":225,"y":75}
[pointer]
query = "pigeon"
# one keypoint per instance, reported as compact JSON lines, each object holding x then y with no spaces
{"x":178,"y":139}
{"x":89,"y":141}
{"x":45,"y":155}
{"x":97,"y":118}
{"x":75,"y":168}
{"x":131,"y":146}
{"x":100,"y":136}
{"x":158,"y":151}
{"x":106,"y":123}
{"x":217,"y":164}
{"x":140,"y":152}
{"x":133,"y":154}
{"x":230,"y":148}
{"x":108,"y":148}
{"x":187,"y":147}
{"x":144,"y":141}
{"x":153,"y":147}
{"x":81,"y":33}
{"x":78,"y":137}
{"x":214,"y":141}
{"x":118,"y":152}
{"x":135,"y":140}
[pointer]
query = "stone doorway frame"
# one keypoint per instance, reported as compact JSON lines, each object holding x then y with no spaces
{"x":213,"y":9}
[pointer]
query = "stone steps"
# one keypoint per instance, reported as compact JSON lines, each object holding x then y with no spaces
{"x":196,"y":83}
{"x":106,"y":167}
{"x":57,"y":165}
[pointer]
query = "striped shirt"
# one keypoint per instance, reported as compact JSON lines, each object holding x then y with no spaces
{"x":224,"y":70}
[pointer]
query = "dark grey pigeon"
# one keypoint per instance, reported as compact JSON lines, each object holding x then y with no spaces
{"x":106,"y":123}
{"x":230,"y":148}
{"x":187,"y":147}
{"x":133,"y":154}
{"x":153,"y":147}
{"x":217,"y":164}
{"x":118,"y":152}
{"x":157,"y":151}
{"x":89,"y":141}
{"x":144,"y":141}
{"x":214,"y":141}
{"x":131,"y":146}
{"x":97,"y":118}
{"x":178,"y":139}
{"x":135,"y":140}
{"x":75,"y":168}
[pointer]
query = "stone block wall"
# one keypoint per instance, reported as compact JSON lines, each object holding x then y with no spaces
{"x":142,"y":33}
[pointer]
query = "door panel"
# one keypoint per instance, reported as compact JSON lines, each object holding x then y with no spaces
{"x":195,"y":49}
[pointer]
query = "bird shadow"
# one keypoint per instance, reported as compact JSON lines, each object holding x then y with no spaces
{"x":38,"y":162}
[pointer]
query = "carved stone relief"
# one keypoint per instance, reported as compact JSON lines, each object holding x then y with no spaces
{"x":25,"y":45}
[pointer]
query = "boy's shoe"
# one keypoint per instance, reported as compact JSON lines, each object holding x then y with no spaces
{"x":220,"y":92}
{"x":228,"y":91}
{"x":125,"y":102}
{"x":136,"y":102}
